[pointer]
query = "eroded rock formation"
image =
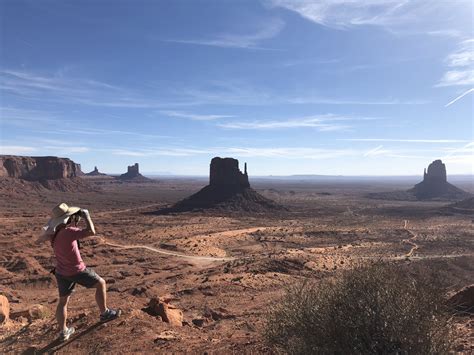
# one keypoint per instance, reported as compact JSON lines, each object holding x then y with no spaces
{"x":133,"y":174}
{"x":38,"y":168}
{"x":436,"y":185}
{"x":95,"y":172}
{"x":225,"y":172}
{"x":436,"y":172}
{"x":229,"y":190}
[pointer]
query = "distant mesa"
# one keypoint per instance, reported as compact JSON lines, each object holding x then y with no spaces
{"x":133,"y":174}
{"x":228,"y":190}
{"x":96,"y":172}
{"x":49,"y":172}
{"x":434,"y":186}
{"x":38,"y":168}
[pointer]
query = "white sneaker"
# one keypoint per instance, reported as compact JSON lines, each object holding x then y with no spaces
{"x":65,"y":334}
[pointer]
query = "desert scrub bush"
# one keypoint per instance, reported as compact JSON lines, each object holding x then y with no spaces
{"x":371,"y":309}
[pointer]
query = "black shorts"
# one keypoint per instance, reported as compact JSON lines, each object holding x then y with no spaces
{"x":87,"y":278}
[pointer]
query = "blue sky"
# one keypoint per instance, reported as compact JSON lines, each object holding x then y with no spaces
{"x":372,"y":87}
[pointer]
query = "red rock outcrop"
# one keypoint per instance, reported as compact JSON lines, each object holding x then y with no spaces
{"x":168,"y":313}
{"x":38,"y":168}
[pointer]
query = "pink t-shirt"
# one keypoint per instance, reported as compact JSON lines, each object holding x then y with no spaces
{"x":68,"y":257}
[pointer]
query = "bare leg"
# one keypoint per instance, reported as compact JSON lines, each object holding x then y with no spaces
{"x":61,"y":312}
{"x":101,"y":295}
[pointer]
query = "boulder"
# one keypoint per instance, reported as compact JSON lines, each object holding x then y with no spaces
{"x":4,"y":310}
{"x":168,"y":313}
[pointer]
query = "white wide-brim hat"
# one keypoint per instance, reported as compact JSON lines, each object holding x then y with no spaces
{"x":59,"y":215}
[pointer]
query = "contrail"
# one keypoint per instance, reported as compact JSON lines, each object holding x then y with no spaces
{"x":459,"y":97}
{"x":373,"y":151}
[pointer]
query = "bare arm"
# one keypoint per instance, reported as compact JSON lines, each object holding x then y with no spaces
{"x":90,"y":225}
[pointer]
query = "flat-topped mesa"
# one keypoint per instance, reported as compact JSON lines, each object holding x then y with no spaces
{"x":38,"y":168}
{"x":226,"y":172}
{"x":436,"y":172}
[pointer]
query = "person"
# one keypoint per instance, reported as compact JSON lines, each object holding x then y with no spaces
{"x":64,"y":235}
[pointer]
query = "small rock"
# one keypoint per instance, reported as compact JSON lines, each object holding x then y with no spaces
{"x":167,"y":335}
{"x":199,"y":322}
{"x":4,"y":310}
{"x":218,"y":314}
{"x":166,"y":311}
{"x":38,"y":311}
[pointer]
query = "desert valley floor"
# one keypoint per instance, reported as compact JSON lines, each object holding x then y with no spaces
{"x":222,"y":269}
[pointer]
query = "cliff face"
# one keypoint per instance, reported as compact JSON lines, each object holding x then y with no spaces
{"x":225,"y":171}
{"x":436,"y":185}
{"x":38,"y":168}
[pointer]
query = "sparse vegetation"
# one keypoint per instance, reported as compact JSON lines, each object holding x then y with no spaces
{"x":371,"y":309}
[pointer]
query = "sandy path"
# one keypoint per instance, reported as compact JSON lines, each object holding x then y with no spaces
{"x":410,"y":241}
{"x":136,"y":208}
{"x":167,"y":252}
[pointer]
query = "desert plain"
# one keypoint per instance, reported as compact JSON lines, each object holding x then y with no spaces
{"x":223,"y":269}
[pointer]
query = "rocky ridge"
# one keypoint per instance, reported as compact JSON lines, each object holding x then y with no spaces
{"x":22,"y":174}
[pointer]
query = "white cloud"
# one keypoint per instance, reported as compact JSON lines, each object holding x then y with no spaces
{"x":327,"y":122}
{"x":247,"y":41}
{"x":292,"y":153}
{"x":94,"y":93}
{"x":347,"y":13}
{"x":462,"y":62}
{"x":55,"y":88}
{"x":175,"y":152}
{"x":193,"y":116}
{"x":457,"y":77}
{"x":464,"y":56}
{"x":440,"y":18}
{"x":16,"y":150}
{"x":404,"y":140}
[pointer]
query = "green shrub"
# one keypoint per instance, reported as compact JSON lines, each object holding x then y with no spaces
{"x":371,"y":309}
